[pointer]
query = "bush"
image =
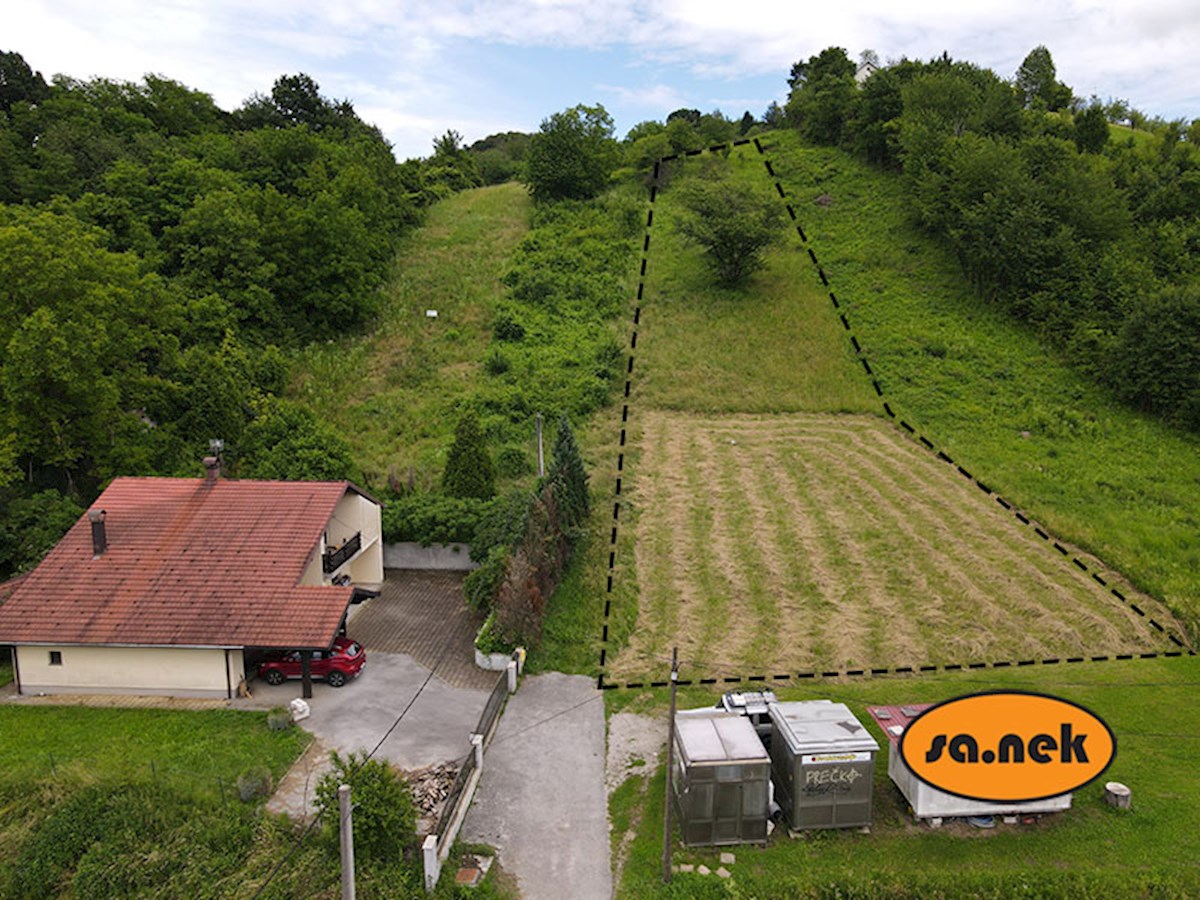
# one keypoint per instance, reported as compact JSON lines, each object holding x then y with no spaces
{"x":495,"y":362}
{"x":434,"y":518}
{"x":279,"y":719}
{"x":385,"y":817}
{"x":501,"y":524}
{"x":480,"y":586}
{"x":513,"y":462}
{"x":254,"y":783}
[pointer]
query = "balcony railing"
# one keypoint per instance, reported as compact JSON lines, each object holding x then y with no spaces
{"x":334,"y":559}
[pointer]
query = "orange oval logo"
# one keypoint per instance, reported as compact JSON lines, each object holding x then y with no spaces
{"x":1007,"y":746}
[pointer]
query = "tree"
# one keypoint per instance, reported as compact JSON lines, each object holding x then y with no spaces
{"x":773,"y":115}
{"x":19,"y":83}
{"x":732,"y":221}
{"x":1036,"y":80}
{"x":286,"y":442}
{"x":1156,"y":363}
{"x":568,"y":472}
{"x":572,"y":155}
{"x":31,"y":526}
{"x":469,"y":471}
{"x":1091,"y":129}
{"x":385,"y":817}
{"x":823,"y":95}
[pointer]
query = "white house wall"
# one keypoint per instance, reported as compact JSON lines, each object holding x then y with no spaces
{"x":173,"y":671}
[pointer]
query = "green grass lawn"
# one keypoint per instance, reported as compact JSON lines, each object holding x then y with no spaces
{"x":1089,"y":851}
{"x":990,"y":394}
{"x":392,"y":393}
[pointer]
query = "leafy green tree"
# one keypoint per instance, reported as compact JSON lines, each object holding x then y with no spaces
{"x":823,"y":95}
{"x":1037,"y":81}
{"x":469,"y":471}
{"x":1091,"y":129}
{"x":286,"y":442}
{"x":19,"y":83}
{"x":30,"y":526}
{"x":746,"y":123}
{"x":732,"y":221}
{"x":773,"y":115}
{"x":1156,"y":362}
{"x":385,"y":817}
{"x":572,"y":155}
{"x":691,"y":116}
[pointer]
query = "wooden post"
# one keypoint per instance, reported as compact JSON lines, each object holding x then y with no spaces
{"x":666,"y":857}
{"x":306,"y":673}
{"x":347,"y":841}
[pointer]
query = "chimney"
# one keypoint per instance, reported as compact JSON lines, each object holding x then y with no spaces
{"x":212,"y":469}
{"x":99,"y":537}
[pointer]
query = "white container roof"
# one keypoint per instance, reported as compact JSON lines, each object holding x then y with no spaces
{"x":718,"y":737}
{"x":819,"y":726}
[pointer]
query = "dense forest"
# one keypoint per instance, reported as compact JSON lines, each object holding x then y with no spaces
{"x":1080,"y":218}
{"x":159,"y":260}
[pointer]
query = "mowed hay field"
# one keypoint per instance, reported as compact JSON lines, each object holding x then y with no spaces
{"x":813,"y":542}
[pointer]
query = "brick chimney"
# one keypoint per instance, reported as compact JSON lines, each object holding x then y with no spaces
{"x":99,"y":536}
{"x":212,"y":469}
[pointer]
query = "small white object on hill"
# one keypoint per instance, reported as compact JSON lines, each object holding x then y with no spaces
{"x":299,"y":710}
{"x":431,"y":313}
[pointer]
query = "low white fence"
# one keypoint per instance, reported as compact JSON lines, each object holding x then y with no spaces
{"x":437,"y":846}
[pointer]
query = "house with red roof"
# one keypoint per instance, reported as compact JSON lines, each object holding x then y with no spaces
{"x":170,"y":585}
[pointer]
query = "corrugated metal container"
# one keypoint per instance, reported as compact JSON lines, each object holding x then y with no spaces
{"x":823,"y":764}
{"x":721,"y":780}
{"x":928,"y":802}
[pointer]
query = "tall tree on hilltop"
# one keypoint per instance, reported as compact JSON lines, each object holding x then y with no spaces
{"x":573,"y":154}
{"x":1037,"y":81}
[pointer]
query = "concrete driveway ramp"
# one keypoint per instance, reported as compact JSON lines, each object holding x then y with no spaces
{"x":541,"y":800}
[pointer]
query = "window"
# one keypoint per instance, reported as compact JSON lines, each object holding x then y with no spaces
{"x":56,"y":657}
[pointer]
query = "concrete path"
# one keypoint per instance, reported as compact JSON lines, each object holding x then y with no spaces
{"x":541,"y":801}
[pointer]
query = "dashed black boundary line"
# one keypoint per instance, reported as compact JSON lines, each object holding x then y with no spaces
{"x":1183,"y":649}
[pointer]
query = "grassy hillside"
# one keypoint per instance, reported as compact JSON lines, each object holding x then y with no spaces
{"x":988,"y":393}
{"x":392,"y":393}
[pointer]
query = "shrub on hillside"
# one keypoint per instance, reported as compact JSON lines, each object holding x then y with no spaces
{"x":254,"y":783}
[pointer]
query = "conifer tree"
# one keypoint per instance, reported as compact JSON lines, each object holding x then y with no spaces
{"x":566,"y":468}
{"x":469,"y":470}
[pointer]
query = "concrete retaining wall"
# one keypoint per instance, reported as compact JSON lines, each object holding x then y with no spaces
{"x":408,"y":555}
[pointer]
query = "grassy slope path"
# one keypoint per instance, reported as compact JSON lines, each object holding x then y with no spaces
{"x":392,"y":393}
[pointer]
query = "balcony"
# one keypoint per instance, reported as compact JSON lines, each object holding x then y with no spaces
{"x":335,"y":559}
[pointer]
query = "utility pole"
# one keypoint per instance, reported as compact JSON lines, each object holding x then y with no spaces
{"x":541,"y":456}
{"x":347,"y":836}
{"x":666,"y":857}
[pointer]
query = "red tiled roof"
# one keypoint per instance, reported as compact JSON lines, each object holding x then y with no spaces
{"x":188,"y":563}
{"x":894,"y":719}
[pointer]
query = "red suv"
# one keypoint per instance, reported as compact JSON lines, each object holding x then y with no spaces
{"x":337,"y":665}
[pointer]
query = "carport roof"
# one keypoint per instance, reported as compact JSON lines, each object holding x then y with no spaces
{"x":188,"y":562}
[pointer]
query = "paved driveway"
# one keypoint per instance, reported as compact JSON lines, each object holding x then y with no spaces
{"x":541,"y":800}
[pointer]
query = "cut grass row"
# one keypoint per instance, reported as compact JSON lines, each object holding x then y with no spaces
{"x":1089,"y":851}
{"x":786,"y":543}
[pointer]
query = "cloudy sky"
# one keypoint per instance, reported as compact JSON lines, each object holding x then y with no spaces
{"x":481,"y":66}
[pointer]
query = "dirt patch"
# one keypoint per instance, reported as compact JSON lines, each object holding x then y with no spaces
{"x":635,"y":743}
{"x":775,"y":544}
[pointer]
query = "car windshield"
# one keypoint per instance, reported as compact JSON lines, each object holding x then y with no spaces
{"x":349,"y":650}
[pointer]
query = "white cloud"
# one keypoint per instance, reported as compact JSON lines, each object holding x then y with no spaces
{"x":408,"y":53}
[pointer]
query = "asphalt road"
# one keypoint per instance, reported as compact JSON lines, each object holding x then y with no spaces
{"x":541,"y":800}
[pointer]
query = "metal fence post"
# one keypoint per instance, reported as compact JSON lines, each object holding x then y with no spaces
{"x":477,"y":743}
